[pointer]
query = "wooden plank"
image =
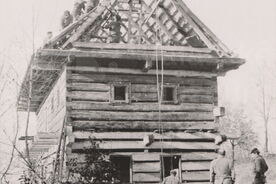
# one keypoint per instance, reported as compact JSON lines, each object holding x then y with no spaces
{"x":195,"y":176}
{"x":146,"y":167}
{"x":141,"y":116}
{"x":144,"y":97}
{"x":139,"y":79}
{"x":181,"y":57}
{"x":138,"y":145}
{"x":89,"y":96}
{"x":143,"y":125}
{"x":197,"y":136}
{"x":191,"y":90}
{"x":195,"y":166}
{"x":112,"y":46}
{"x":179,"y":73}
{"x":146,"y":177}
{"x":206,"y":99}
{"x":141,"y":107}
{"x":152,"y":157}
{"x":100,"y":87}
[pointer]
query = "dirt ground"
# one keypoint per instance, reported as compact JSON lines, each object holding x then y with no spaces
{"x":243,"y":171}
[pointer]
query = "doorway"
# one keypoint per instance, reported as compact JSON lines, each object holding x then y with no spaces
{"x":171,"y":162}
{"x":123,"y":166}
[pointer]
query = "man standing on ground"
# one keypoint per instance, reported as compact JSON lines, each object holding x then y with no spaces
{"x":172,"y":179}
{"x":259,"y":167}
{"x":222,"y":170}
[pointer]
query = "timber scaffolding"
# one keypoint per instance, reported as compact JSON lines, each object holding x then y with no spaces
{"x":83,"y":87}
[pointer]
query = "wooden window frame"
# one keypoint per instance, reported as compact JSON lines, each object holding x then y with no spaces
{"x":127,"y":100}
{"x":175,"y":94}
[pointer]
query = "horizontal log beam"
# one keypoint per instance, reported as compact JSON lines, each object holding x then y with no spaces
{"x":154,"y":157}
{"x":138,"y":79}
{"x":141,"y":107}
{"x":143,"y":125}
{"x":172,"y":136}
{"x":112,"y":46}
{"x":138,"y":145}
{"x":179,"y":73}
{"x":195,"y":166}
{"x":183,"y":57}
{"x":202,"y":176}
{"x":141,"y":116}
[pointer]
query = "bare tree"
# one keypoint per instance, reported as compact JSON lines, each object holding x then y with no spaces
{"x":267,"y":96}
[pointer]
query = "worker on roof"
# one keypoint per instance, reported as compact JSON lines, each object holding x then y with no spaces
{"x":114,"y":29}
{"x":221,"y":169}
{"x":67,"y":19}
{"x":79,"y":8}
{"x":172,"y":179}
{"x":259,"y":167}
{"x":91,"y":4}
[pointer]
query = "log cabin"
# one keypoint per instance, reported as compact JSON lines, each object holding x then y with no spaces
{"x":150,"y":99}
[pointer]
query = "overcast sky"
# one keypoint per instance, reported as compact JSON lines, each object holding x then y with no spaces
{"x":248,"y":27}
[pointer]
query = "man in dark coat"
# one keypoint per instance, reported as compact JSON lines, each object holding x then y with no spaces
{"x":259,"y":167}
{"x":221,"y":169}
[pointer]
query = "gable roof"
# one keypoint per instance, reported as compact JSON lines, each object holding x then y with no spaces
{"x":174,"y":21}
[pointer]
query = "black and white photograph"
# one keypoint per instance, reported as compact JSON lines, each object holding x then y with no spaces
{"x":138,"y":92}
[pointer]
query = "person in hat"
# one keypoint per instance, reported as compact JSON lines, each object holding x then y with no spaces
{"x":66,"y":19}
{"x":79,"y":9}
{"x":172,"y":179}
{"x":221,"y":169}
{"x":259,"y":167}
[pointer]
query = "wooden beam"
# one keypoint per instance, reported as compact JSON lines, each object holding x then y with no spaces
{"x":141,"y":107}
{"x":141,"y":116}
{"x":138,"y":145}
{"x":178,"y":73}
{"x":113,"y":54}
{"x":142,"y":125}
{"x":112,"y":46}
{"x":179,"y":5}
{"x":140,"y":79}
{"x":166,"y":136}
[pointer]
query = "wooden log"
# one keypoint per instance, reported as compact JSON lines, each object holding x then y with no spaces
{"x":205,"y":99}
{"x":140,"y":107}
{"x":89,"y":96}
{"x":141,"y":116}
{"x":152,"y":157}
{"x":184,"y":56}
{"x":179,"y":73}
{"x":202,"y":176}
{"x":195,"y":166}
{"x":137,"y":79}
{"x":113,"y":46}
{"x":138,"y":145}
{"x":145,"y":167}
{"x":97,"y":87}
{"x":144,"y":97}
{"x":195,"y":90}
{"x":166,"y":136}
{"x":146,"y":177}
{"x":143,"y":125}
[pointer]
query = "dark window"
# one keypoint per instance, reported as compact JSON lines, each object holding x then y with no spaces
{"x":170,"y":163}
{"x":122,"y":164}
{"x":119,"y":93}
{"x":169,"y":94}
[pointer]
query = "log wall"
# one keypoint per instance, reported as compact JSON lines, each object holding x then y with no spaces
{"x":90,"y":107}
{"x":121,"y":127}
